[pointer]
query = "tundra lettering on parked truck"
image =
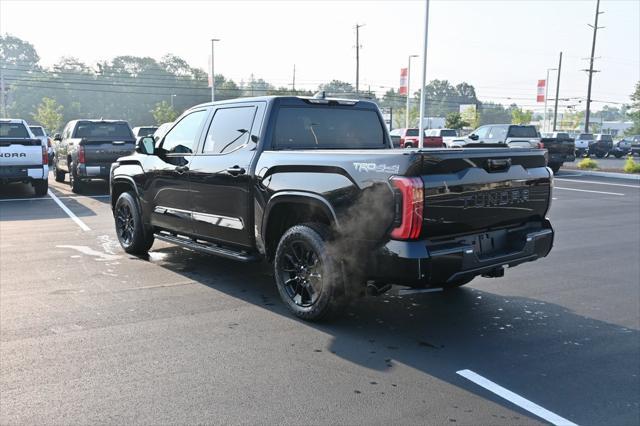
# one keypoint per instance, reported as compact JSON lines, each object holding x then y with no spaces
{"x":314,"y":186}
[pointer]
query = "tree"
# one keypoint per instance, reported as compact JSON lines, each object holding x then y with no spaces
{"x":49,"y":114}
{"x":634,"y":112}
{"x":518,"y":116}
{"x":163,"y":113}
{"x":337,"y":87}
{"x":491,"y":113}
{"x":454,"y":121}
{"x":17,"y":54}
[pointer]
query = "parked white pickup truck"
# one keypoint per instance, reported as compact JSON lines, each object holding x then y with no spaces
{"x":23,"y":157}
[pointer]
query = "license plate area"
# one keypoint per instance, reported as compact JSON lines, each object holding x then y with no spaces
{"x":13,"y":171}
{"x":491,"y":244}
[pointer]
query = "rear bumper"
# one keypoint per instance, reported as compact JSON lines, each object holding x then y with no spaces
{"x":9,"y":174}
{"x":561,"y":158}
{"x":426,"y":263}
{"x":93,"y":171}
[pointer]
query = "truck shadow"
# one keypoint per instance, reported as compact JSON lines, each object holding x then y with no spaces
{"x":18,"y":202}
{"x":585,"y":370}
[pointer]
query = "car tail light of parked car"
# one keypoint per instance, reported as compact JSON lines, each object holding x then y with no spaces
{"x":81,"y":159}
{"x":45,"y":155}
{"x":409,"y":205}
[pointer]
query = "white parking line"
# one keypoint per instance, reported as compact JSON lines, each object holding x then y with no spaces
{"x":73,"y":217}
{"x":515,"y":398}
{"x":599,"y":183}
{"x":586,"y":190}
{"x":66,"y":197}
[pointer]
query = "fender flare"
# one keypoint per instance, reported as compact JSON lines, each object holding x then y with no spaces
{"x":300,"y":197}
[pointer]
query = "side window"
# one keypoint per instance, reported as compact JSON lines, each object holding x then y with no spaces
{"x":182,"y":138}
{"x":65,"y":132}
{"x":229,"y":129}
{"x":482,"y":132}
{"x":498,"y":132}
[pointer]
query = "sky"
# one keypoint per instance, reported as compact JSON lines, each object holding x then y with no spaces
{"x":502,"y":47}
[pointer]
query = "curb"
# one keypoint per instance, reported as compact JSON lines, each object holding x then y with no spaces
{"x":613,"y":175}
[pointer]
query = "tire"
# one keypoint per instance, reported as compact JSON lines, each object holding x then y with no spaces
{"x":133,"y":235}
{"x":41,"y":187}
{"x":618,"y":155}
{"x":555,"y":167}
{"x":309,"y":278}
{"x":74,"y":182}
{"x":59,"y":174}
{"x":408,"y":145}
{"x":600,"y":154}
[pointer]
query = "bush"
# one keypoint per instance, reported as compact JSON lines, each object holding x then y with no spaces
{"x":588,"y":163}
{"x":631,"y":166}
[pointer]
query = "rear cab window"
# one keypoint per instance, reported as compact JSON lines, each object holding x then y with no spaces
{"x":103,"y":130}
{"x":37,"y":131}
{"x":14,"y":130}
{"x":522,"y":132}
{"x":328,"y":127}
{"x":412,"y":132}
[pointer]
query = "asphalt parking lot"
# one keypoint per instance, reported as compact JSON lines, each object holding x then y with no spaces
{"x":89,"y":334}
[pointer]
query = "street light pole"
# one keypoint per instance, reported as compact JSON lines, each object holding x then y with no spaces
{"x":546,"y":93}
{"x":406,"y":119}
{"x":172,"y":96}
{"x":424,"y":75}
{"x":213,"y":76}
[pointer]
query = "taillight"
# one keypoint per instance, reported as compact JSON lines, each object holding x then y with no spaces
{"x":80,"y":154}
{"x":401,"y":142}
{"x":45,"y":156}
{"x":409,"y":203}
{"x":540,"y":145}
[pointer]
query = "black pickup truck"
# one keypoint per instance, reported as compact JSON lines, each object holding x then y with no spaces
{"x":86,"y":149}
{"x":314,"y":186}
{"x":560,"y":148}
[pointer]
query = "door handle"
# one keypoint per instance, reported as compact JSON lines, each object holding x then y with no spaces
{"x":236,"y":170}
{"x":182,"y":169}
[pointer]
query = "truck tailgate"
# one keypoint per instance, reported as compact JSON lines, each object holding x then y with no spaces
{"x":476,"y":191}
{"x":103,"y":152}
{"x":20,"y":152}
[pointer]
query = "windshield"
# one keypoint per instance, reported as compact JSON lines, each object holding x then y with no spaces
{"x":13,"y":130}
{"x":327,"y":128}
{"x":585,"y":136}
{"x":102,"y":130}
{"x":523,"y":132}
{"x":448,"y":133}
{"x":37,"y":131}
{"x":412,"y":132}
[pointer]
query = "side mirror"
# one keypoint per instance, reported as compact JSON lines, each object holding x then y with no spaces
{"x":57,"y":137}
{"x":145,"y":145}
{"x":473,"y":137}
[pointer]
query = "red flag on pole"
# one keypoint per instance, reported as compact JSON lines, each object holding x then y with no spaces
{"x":403,"y":81}
{"x":541,"y":87}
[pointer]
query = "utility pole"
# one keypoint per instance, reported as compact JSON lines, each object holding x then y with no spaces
{"x":545,"y":127}
{"x":213,"y":76}
{"x":591,"y":70}
{"x":172,"y":96}
{"x":406,"y":117}
{"x":555,"y":109}
{"x":357,"y":27}
{"x":424,"y":75}
{"x":3,"y":108}
{"x":293,"y":84}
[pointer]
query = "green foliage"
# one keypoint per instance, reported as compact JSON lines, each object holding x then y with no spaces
{"x":491,"y":113}
{"x":518,"y":116}
{"x":634,"y":112}
{"x":587,"y":164}
{"x":454,"y":121}
{"x":49,"y":114}
{"x":163,"y":113}
{"x":630,"y":166}
{"x":399,"y":118}
{"x":442,"y":97}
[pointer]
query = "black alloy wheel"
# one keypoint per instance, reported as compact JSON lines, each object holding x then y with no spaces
{"x":124,"y":224}
{"x":301,"y":273}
